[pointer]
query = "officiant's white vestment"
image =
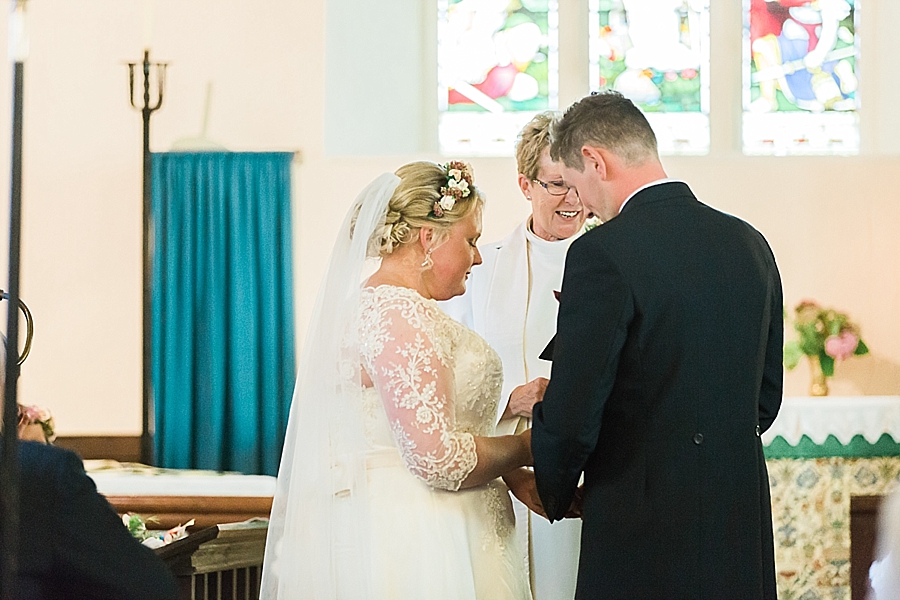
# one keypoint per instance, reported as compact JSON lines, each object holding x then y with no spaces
{"x":509,"y":301}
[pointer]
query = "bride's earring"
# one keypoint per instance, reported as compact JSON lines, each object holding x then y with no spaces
{"x":427,"y":262}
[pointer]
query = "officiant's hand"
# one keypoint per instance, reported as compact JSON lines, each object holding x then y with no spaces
{"x":522,"y":484}
{"x":524,"y":397}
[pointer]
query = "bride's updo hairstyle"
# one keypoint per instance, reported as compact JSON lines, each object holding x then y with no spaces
{"x":428,"y":195}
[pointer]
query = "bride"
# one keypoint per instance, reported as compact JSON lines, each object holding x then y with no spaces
{"x":389,"y":486}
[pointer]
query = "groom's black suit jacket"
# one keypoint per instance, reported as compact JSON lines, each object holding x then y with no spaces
{"x":666,"y":368}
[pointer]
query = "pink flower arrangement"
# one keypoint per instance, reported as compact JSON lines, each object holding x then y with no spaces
{"x":841,"y":346}
{"x":36,"y":415}
{"x":824,"y":334}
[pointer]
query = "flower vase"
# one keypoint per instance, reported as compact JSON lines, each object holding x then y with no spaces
{"x":818,"y":384}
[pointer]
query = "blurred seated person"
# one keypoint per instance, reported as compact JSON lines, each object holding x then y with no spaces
{"x":72,"y":544}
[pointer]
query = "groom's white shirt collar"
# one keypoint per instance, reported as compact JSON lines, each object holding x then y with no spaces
{"x":645,"y":186}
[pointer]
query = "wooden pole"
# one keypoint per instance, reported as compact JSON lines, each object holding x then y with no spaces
{"x":9,"y":461}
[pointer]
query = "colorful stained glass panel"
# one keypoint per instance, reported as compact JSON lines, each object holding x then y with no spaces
{"x":800,"y":77}
{"x":497,"y":67}
{"x":656,"y":52}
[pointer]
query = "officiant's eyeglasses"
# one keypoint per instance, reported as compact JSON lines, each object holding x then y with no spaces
{"x":555,"y":188}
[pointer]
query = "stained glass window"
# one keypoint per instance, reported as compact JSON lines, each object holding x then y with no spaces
{"x":497,"y":68}
{"x":656,"y":52}
{"x":800,"y":77}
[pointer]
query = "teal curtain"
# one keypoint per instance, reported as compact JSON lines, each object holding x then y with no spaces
{"x":222,"y":309}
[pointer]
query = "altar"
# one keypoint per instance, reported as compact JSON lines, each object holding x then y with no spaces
{"x":173,"y":496}
{"x":222,"y":557}
{"x":820,"y":452}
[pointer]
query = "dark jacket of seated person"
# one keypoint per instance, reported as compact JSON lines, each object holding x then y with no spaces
{"x":72,"y":544}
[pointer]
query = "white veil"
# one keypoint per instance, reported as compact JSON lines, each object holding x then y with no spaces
{"x":318,"y":542}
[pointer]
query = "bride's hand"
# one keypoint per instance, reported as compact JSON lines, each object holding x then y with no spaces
{"x":522,"y":484}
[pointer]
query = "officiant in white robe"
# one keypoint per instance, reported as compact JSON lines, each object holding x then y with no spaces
{"x":510,"y":301}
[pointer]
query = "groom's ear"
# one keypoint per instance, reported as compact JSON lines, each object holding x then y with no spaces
{"x":595,"y":160}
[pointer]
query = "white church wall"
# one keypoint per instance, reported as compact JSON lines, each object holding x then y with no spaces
{"x":832,"y":222}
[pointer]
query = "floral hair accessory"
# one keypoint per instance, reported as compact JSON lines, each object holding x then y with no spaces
{"x":459,"y":185}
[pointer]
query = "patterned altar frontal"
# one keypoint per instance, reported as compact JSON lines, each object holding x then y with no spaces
{"x":811,"y":518}
{"x":820,"y":452}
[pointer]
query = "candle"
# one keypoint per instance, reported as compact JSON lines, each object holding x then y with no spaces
{"x":147,"y":36}
{"x":18,"y":35}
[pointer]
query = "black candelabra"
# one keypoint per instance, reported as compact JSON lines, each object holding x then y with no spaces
{"x":147,"y":187}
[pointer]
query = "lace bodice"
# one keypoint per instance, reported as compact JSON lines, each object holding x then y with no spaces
{"x":437,"y":384}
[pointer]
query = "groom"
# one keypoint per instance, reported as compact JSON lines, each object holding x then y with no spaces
{"x":666,"y":369}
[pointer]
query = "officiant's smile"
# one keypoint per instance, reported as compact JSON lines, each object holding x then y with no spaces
{"x":557,"y":211}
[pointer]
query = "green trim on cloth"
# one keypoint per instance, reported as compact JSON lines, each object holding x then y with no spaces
{"x":858,"y":447}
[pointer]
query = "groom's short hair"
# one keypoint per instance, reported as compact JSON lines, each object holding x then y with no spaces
{"x":605,"y":120}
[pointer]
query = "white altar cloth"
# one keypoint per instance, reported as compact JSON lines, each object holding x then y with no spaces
{"x":131,"y":479}
{"x":842,"y":417}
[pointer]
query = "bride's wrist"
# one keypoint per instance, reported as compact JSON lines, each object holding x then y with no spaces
{"x":516,"y":476}
{"x":524,"y":439}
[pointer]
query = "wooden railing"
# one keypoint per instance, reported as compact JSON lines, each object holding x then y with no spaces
{"x":219,"y":563}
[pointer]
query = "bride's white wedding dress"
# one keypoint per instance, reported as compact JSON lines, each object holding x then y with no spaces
{"x":437,"y":385}
{"x":390,"y":392}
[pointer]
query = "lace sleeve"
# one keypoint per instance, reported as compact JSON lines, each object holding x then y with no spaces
{"x":417,"y":390}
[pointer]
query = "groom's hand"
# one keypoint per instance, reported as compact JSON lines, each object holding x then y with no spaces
{"x":524,"y":397}
{"x":522,"y":484}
